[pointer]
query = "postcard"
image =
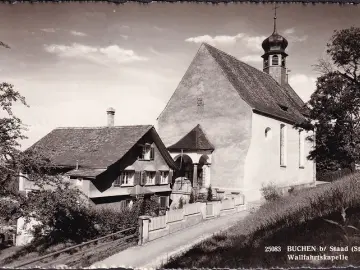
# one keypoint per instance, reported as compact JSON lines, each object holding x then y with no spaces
{"x":179,"y":135}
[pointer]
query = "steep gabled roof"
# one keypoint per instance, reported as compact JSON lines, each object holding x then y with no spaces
{"x":94,"y":147}
{"x":258,"y":88}
{"x":194,"y":140}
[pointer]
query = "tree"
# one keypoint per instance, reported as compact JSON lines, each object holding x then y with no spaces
{"x":335,"y":105}
{"x":12,"y":159}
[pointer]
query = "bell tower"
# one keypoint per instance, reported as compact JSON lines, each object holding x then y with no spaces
{"x":274,"y":57}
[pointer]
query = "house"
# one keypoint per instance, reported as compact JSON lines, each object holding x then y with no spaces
{"x":231,"y":126}
{"x":112,"y":164}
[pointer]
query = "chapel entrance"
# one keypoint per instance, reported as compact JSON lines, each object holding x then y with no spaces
{"x":192,"y":153}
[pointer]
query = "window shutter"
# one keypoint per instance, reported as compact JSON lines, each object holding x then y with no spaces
{"x":117,"y":181}
{"x":143,"y":178}
{"x":157,"y":178}
{"x":121,"y":178}
{"x":137,"y":178}
{"x":152,"y":153}
{"x":170,"y":176}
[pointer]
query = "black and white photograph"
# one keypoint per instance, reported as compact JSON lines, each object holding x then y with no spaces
{"x":179,"y":135}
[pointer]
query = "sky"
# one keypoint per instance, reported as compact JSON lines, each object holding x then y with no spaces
{"x":72,"y":61}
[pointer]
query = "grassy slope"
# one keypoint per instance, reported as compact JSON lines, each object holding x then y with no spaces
{"x":294,"y":220}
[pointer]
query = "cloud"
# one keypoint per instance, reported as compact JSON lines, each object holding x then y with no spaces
{"x":159,"y":28}
{"x":289,"y":31}
{"x":76,"y":33}
{"x":303,"y":84}
{"x":251,"y":58}
{"x":156,"y":52}
{"x":291,"y":37}
{"x":215,"y":40}
{"x":252,"y":43}
{"x":112,"y":53}
{"x":124,"y":37}
{"x":48,"y":30}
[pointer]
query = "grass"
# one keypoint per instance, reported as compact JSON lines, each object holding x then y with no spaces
{"x":298,"y":219}
{"x":92,"y":253}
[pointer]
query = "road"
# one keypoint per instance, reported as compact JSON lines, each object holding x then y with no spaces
{"x":156,"y":252}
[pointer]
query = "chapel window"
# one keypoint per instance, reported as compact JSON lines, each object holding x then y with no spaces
{"x":268,"y":133}
{"x":283,"y":145}
{"x":301,"y":149}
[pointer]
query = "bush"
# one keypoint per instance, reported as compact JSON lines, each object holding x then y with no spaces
{"x":181,"y":203}
{"x":65,"y":217}
{"x":192,"y":197}
{"x":270,"y":192}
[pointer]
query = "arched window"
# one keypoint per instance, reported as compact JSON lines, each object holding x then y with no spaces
{"x":283,"y":145}
{"x":268,"y":133}
{"x":275,"y":60}
{"x":283,"y":62}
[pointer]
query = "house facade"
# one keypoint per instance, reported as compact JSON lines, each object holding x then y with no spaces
{"x":248,"y":118}
{"x":112,"y":165}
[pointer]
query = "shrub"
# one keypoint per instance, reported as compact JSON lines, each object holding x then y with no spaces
{"x":270,"y":192}
{"x":181,"y":203}
{"x":192,"y":197}
{"x":209,"y":194}
{"x":64,"y":217}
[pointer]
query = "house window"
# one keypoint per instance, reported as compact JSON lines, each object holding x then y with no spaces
{"x":150,"y":178}
{"x":125,"y":178}
{"x":275,"y":60}
{"x":164,"y":177}
{"x":301,"y":149}
{"x":147,"y":153}
{"x":283,"y":145}
{"x":128,"y":178}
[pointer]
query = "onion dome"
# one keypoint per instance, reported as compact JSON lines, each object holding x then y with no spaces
{"x":275,"y":41}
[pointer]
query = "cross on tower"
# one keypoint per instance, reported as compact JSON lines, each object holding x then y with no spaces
{"x":275,"y":8}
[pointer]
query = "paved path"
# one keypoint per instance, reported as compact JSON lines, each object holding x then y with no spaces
{"x":154,"y":253}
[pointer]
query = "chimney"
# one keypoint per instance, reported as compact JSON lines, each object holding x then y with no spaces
{"x":110,"y":117}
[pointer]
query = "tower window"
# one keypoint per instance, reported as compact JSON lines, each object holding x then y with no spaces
{"x":275,"y":60}
{"x":283,"y":63}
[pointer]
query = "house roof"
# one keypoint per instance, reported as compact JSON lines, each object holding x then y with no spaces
{"x":194,"y":140}
{"x":259,"y":89}
{"x":85,"y":172}
{"x":95,"y":147}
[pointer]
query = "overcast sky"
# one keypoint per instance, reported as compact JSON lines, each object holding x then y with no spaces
{"x":72,"y":61}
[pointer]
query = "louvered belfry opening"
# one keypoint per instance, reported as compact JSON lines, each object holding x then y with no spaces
{"x":110,"y":117}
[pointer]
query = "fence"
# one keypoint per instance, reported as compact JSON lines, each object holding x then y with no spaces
{"x":119,"y":237}
{"x":155,"y":227}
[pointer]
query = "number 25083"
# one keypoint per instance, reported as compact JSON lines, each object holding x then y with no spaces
{"x":273,"y":249}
